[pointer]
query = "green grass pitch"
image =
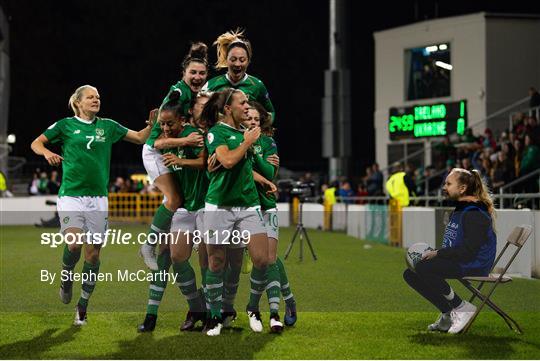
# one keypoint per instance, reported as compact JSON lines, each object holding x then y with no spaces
{"x":352,"y":302}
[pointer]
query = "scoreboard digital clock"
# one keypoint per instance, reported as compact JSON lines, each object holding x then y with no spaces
{"x":428,"y":120}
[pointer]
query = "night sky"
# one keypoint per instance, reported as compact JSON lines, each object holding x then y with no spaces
{"x":132,"y":50}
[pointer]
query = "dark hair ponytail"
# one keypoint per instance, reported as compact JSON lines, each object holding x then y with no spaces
{"x":213,"y":109}
{"x":197,"y":53}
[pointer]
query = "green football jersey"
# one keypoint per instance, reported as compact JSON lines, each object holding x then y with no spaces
{"x":193,"y":182}
{"x":233,"y":187}
{"x":251,"y":86}
{"x":185,"y":99}
{"x":263,"y":147}
{"x":86,"y":149}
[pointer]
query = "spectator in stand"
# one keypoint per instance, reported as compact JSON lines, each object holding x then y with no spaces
{"x":531,"y":157}
{"x":345,"y":192}
{"x":535,"y":98}
{"x":533,"y":129}
{"x":518,"y":155}
{"x":530,"y":163}
{"x":54,"y":183}
{"x":419,"y":181}
{"x":489,"y":139}
{"x":502,"y":172}
{"x":445,"y":149}
{"x":466,"y":164}
{"x":377,"y":179}
{"x":117,"y":185}
{"x":42,"y":183}
{"x":434,"y":181}
{"x":469,"y":137}
{"x":33,"y":186}
{"x":362,"y":192}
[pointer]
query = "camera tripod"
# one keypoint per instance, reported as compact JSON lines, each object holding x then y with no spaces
{"x":300,"y":232}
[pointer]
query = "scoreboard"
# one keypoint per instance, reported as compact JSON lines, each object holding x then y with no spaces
{"x":428,"y":120}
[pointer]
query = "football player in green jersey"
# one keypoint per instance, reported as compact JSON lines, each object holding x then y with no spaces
{"x":232,"y":215}
{"x":189,"y":167}
{"x":234,"y":53}
{"x":266,"y":163}
{"x":195,"y":70}
{"x":82,"y":200}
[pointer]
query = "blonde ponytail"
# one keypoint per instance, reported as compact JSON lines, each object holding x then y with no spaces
{"x":480,"y":190}
{"x":223,"y":45}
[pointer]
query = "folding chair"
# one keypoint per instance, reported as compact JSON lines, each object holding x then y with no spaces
{"x":517,"y":238}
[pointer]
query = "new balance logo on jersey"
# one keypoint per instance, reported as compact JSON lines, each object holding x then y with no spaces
{"x":77,"y":131}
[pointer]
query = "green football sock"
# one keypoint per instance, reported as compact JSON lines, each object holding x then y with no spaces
{"x":185,"y":279}
{"x":70,"y":259}
{"x":90,"y":272}
{"x":161,"y":223}
{"x":258,"y":283}
{"x":214,"y":293}
{"x":204,"y":270}
{"x":158,"y":284}
{"x":285,"y":288}
{"x":230,"y":287}
{"x":273,"y":288}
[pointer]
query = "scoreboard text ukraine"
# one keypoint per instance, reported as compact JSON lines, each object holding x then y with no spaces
{"x":428,"y":120}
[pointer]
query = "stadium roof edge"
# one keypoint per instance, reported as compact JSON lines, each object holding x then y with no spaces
{"x":459,"y":18}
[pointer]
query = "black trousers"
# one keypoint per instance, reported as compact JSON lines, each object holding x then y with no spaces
{"x":429,"y":280}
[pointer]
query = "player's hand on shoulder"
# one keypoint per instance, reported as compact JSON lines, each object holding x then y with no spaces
{"x":195,"y":139}
{"x":273,"y":159}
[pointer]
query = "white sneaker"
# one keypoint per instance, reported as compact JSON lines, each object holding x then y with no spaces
{"x":443,"y":323}
{"x":255,"y":321}
{"x":80,"y":317}
{"x":275,"y":324}
{"x":461,"y":315}
{"x":214,"y":329}
{"x":147,"y":252}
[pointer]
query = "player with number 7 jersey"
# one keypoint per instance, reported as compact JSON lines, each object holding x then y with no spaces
{"x":86,"y":142}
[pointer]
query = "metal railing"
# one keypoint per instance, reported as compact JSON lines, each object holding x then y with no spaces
{"x":518,"y":181}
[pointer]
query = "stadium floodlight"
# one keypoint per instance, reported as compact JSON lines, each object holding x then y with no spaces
{"x":443,"y":46}
{"x":432,"y":48}
{"x":11,"y":139}
{"x":444,"y":65}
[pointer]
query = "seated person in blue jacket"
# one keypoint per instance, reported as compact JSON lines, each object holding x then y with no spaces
{"x":468,"y":249}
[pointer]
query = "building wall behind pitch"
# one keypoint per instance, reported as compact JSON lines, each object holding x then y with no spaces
{"x":513,"y":63}
{"x":466,"y":35}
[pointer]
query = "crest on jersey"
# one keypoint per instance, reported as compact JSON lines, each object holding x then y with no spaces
{"x":66,"y":219}
{"x":257,"y":148}
{"x":100,"y":132}
{"x":210,"y":138}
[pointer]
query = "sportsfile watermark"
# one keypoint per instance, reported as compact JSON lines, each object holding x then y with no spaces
{"x":121,"y":237}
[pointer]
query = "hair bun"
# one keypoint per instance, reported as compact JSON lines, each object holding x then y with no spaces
{"x":199,"y":50}
{"x":174,"y":95}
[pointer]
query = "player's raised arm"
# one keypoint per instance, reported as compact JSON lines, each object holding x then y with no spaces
{"x":142,"y":135}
